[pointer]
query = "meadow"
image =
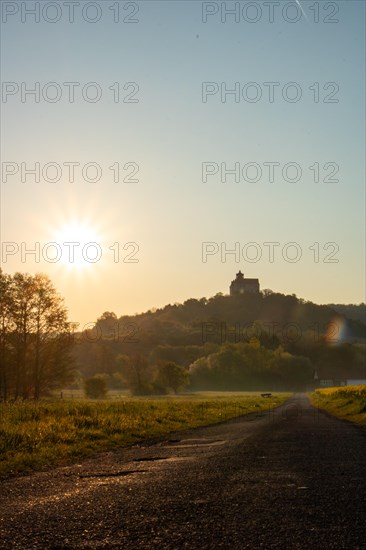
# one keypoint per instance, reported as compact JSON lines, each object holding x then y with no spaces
{"x":37,"y":435}
{"x":348,"y":402}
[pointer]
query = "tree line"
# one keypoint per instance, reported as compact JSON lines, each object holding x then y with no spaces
{"x":35,"y":343}
{"x":140,"y":376}
{"x":264,"y":341}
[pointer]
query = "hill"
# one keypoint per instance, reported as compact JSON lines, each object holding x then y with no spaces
{"x":281,"y":332}
{"x":284,"y":318}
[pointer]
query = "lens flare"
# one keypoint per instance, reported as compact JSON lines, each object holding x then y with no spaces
{"x":336,"y":331}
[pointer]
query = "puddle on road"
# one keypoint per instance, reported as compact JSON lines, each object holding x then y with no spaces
{"x":111,"y":474}
{"x":195,"y":442}
{"x":151,"y":459}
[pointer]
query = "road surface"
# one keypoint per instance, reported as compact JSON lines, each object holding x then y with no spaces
{"x":293,"y":478}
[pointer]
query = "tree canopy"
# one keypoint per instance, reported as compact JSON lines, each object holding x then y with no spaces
{"x":35,"y":340}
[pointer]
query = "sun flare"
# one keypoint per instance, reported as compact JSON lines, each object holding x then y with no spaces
{"x":80,"y":245}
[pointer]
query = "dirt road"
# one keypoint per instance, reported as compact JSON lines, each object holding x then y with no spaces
{"x":293,"y":478}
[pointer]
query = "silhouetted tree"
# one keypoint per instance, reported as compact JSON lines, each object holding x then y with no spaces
{"x":34,"y":337}
{"x":6,"y":327}
{"x":172,"y":376}
{"x":139,"y":376}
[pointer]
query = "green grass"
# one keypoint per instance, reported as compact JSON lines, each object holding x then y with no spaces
{"x":35,"y":435}
{"x":347,"y":402}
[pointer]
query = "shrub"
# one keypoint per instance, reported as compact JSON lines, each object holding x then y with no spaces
{"x":95,"y":387}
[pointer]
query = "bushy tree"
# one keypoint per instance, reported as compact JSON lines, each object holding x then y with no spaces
{"x":34,"y":337}
{"x":172,"y":376}
{"x":291,"y":372}
{"x":139,"y":375}
{"x":250,"y":366}
{"x":6,"y":328}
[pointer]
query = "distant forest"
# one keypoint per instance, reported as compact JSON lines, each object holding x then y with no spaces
{"x":264,"y":341}
{"x":245,"y":342}
{"x":352,"y":311}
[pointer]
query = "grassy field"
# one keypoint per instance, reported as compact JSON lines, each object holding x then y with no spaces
{"x":347,"y":402}
{"x":35,"y":435}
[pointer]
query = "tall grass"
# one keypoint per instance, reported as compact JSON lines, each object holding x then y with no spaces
{"x":34,"y":435}
{"x":347,"y":402}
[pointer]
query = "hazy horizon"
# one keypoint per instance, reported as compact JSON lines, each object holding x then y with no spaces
{"x":172,"y":95}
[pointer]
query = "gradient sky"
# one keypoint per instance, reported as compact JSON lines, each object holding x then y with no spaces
{"x":169,"y":133}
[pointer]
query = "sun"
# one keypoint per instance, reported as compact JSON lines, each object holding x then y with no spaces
{"x":78,"y":244}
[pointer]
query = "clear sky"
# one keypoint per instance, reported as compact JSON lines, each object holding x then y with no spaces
{"x":165,"y":125}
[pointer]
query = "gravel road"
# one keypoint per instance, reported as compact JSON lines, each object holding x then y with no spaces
{"x":290,"y":478}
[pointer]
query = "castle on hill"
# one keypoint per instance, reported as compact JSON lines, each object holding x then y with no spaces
{"x":241,"y":285}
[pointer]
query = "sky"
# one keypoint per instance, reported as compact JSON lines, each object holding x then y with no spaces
{"x":169,"y":133}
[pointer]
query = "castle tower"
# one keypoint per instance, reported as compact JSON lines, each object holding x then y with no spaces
{"x":241,"y":285}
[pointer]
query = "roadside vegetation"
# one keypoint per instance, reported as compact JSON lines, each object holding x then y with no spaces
{"x":346,"y":402}
{"x":36,"y":435}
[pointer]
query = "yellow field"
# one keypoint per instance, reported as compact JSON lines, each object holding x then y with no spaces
{"x":348,"y":402}
{"x":34,"y":435}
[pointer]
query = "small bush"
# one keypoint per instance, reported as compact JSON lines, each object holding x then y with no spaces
{"x":95,"y":387}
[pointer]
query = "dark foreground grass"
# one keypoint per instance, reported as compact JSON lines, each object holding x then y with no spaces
{"x":35,"y":435}
{"x":346,"y":402}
